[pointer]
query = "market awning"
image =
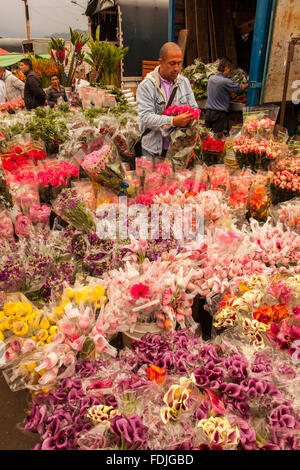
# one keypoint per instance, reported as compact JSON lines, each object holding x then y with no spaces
{"x":10,"y":59}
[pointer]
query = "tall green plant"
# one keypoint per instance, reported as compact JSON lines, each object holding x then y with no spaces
{"x":105,"y":59}
{"x":95,"y":57}
{"x":61,"y":55}
{"x":78,"y":41}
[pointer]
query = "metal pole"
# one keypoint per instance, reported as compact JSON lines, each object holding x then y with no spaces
{"x":258,"y":52}
{"x":27,"y":18}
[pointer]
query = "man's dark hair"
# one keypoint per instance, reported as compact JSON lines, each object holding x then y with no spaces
{"x":54,"y":75}
{"x":27,"y":62}
{"x":224,"y":62}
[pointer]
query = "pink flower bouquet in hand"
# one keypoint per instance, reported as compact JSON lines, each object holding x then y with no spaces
{"x":182,"y":139}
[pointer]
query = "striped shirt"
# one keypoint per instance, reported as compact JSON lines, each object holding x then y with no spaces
{"x":53,"y":94}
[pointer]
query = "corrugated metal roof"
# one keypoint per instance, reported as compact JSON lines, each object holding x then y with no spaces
{"x":95,"y":6}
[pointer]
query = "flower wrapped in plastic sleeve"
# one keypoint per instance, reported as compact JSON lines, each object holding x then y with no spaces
{"x":41,"y":369}
{"x":70,"y":207}
{"x":86,"y":192}
{"x":6,"y":226}
{"x":105,"y":167}
{"x":288,"y":213}
{"x":260,"y":196}
{"x":219,"y":179}
{"x":213,"y":151}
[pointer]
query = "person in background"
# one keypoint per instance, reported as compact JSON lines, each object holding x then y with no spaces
{"x":2,"y":92}
{"x":34,"y":95}
{"x":55,"y":91}
{"x":152,"y":97}
{"x":14,"y":88}
{"x":219,"y":89}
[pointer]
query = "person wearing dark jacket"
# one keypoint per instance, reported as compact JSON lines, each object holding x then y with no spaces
{"x":34,"y":95}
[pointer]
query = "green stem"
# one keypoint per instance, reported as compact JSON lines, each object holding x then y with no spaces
{"x":71,"y":70}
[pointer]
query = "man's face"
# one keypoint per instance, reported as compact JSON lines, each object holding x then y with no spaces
{"x":55,"y":82}
{"x":24,"y":68}
{"x":171,"y":66}
{"x":227,"y":70}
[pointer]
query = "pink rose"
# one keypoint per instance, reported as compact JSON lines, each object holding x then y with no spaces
{"x":6,"y":227}
{"x":143,"y":245}
{"x":68,"y":328}
{"x":39,"y":214}
{"x":22,"y":226}
{"x":76,"y":342}
{"x":84,"y":322}
{"x":29,"y":198}
{"x":28,"y":345}
{"x":135,"y":246}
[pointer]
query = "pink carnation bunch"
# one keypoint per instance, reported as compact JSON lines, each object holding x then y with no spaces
{"x":176,"y":110}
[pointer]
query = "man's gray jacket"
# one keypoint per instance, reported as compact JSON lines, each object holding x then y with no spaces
{"x":151,"y":102}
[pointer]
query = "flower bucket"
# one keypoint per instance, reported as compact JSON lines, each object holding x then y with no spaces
{"x":140,"y":330}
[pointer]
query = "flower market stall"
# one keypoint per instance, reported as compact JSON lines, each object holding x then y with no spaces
{"x":103,"y":256}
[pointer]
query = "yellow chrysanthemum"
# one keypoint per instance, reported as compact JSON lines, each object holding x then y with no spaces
{"x":34,"y":319}
{"x":1,"y":336}
{"x":19,"y":308}
{"x":97,"y":293}
{"x":42,"y":371}
{"x":44,"y":324}
{"x":40,"y":344}
{"x":51,"y":319}
{"x":42,"y":335}
{"x":20,"y":328}
{"x":9,"y":322}
{"x":3,"y":321}
{"x":101,"y":302}
{"x":58,"y":311}
{"x":31,"y":366}
{"x":10,"y":308}
{"x":82,"y":295}
{"x":53,"y":330}
{"x":64,"y":302}
{"x":50,"y":339}
{"x":70,"y":293}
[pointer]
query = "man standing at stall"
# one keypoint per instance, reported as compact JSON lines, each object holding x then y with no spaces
{"x":55,"y":91}
{"x":160,"y":89}
{"x":219,"y":89}
{"x":34,"y":95}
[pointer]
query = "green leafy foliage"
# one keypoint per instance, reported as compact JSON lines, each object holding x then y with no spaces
{"x":105,"y":58}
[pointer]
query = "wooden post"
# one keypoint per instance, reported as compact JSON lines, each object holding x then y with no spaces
{"x":190,"y":24}
{"x":27,"y":18}
{"x":202,"y":30}
{"x":290,"y":57}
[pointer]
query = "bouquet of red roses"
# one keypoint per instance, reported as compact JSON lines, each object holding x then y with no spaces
{"x":213,"y":151}
{"x":19,"y":154}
